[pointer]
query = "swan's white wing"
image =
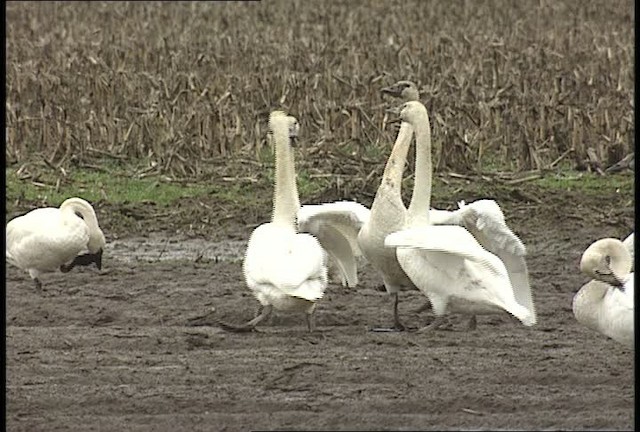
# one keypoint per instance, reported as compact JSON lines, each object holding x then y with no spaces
{"x":461,"y":269}
{"x":452,"y":239}
{"x":292,"y":263}
{"x":336,"y":226}
{"x":485,"y":220}
{"x":41,"y":241}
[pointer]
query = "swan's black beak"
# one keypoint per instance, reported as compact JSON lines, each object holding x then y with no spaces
{"x":393,"y":90}
{"x":610,"y":277}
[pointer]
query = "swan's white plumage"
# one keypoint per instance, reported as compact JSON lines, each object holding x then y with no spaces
{"x":281,"y":263}
{"x":45,"y":239}
{"x":446,"y":262}
{"x":485,"y":220}
{"x":336,"y":226}
{"x":600,"y":306}
{"x":452,"y":266}
{"x":282,"y":267}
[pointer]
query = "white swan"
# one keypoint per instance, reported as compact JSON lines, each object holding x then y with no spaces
{"x":483,"y":218}
{"x":48,"y":239}
{"x":605,"y":304}
{"x":445,"y":261}
{"x":284,"y":269}
{"x":367,"y":229}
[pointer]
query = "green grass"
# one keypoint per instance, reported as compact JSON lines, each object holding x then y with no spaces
{"x":93,"y":185}
{"x":587,"y":183}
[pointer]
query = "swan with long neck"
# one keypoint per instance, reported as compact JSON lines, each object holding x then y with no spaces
{"x":284,"y":269}
{"x":605,"y":304}
{"x":364,"y":229}
{"x":345,"y":221}
{"x":483,"y":218}
{"x":50,"y":239}
{"x":445,"y":261}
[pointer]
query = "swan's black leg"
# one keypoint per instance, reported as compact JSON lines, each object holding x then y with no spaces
{"x":250,"y":325}
{"x":473,"y":323}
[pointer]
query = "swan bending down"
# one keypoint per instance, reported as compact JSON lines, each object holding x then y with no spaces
{"x":445,"y":261}
{"x":48,"y":239}
{"x":605,"y":304}
{"x":284,"y":269}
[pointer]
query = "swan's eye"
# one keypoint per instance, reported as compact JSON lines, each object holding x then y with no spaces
{"x":607,"y":260}
{"x":79,"y":215}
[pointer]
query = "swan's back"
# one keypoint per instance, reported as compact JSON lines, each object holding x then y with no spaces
{"x":607,"y":310}
{"x":44,"y":239}
{"x":282,"y":263}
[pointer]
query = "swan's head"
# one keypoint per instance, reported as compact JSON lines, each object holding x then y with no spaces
{"x":405,"y":90}
{"x":412,"y":112}
{"x":281,"y":123}
{"x":607,"y":260}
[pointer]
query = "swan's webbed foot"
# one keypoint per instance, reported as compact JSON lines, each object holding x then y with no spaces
{"x":437,"y":322}
{"x":38,"y":284}
{"x":250,"y":325}
{"x":244,"y":328}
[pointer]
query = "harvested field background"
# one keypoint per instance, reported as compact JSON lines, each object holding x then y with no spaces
{"x":156,"y":112}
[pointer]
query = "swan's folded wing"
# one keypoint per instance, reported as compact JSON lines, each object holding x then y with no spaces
{"x":336,"y":226}
{"x":35,"y":239}
{"x":451,"y":239}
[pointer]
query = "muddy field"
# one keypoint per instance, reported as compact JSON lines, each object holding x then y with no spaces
{"x":133,"y":347}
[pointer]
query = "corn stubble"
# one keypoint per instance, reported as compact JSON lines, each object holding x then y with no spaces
{"x":512,"y":86}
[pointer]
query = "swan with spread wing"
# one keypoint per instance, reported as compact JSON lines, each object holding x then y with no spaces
{"x":446,"y":262}
{"x":483,"y":218}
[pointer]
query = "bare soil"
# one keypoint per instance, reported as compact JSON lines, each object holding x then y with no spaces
{"x":134,"y":347}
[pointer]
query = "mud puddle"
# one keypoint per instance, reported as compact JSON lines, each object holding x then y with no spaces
{"x":157,"y":247}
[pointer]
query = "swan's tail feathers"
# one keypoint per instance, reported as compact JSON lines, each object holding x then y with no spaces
{"x":312,"y":289}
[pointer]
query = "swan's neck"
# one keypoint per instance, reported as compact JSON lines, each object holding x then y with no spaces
{"x":96,"y":237}
{"x":285,"y":200}
{"x":394,"y":169}
{"x":418,"y":212}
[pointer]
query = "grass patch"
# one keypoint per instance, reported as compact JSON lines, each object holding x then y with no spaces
{"x":587,"y":183}
{"x":95,"y":186}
